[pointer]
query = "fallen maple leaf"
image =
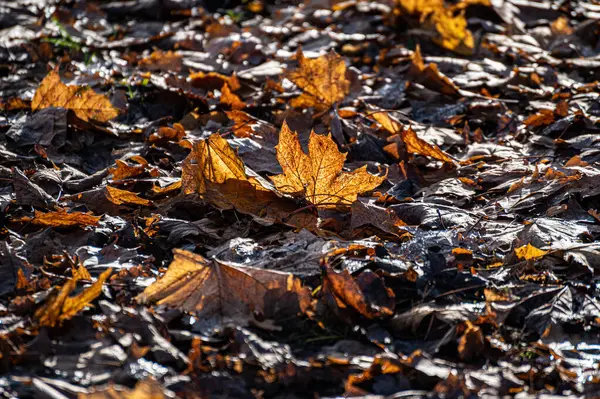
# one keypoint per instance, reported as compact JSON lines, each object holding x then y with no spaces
{"x":529,"y":252}
{"x":452,"y":32}
{"x":322,"y":80}
{"x":61,"y":306}
{"x":220,"y":293}
{"x":85,"y":102}
{"x":448,"y":23}
{"x":317,"y":176}
{"x":415,"y":145}
{"x":61,"y":218}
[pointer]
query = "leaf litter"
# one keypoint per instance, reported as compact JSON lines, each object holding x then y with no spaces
{"x":260,"y":199}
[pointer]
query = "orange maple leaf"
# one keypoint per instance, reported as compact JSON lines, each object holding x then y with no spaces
{"x":85,"y":102}
{"x":322,"y":80}
{"x":221,"y":293}
{"x":317,"y":176}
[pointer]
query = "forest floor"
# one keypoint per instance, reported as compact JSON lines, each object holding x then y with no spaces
{"x":259,"y":199}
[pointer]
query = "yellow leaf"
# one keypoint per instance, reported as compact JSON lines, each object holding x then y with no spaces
{"x":213,"y":161}
{"x":120,"y":197}
{"x":529,"y":252}
{"x":419,"y":7}
{"x":317,"y":176}
{"x":416,"y":145}
{"x":323,"y":81}
{"x":452,"y":32}
{"x":221,"y":293}
{"x":386,"y":121}
{"x":86,"y":103}
{"x":448,"y":23}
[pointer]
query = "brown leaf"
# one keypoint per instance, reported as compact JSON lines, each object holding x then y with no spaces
{"x":429,"y":76}
{"x":366,"y":294}
{"x":220,"y":293}
{"x":86,"y":103}
{"x":416,"y":145}
{"x":471,"y":343}
{"x":165,"y":133}
{"x":211,"y":161}
{"x":323,"y":81}
{"x":245,"y":125}
{"x":166,"y":61}
{"x":61,"y":306}
{"x":317,"y":176}
{"x":213,"y":81}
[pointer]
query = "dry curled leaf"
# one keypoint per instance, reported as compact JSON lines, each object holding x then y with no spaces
{"x":322,"y":80}
{"x":61,"y":306}
{"x":85,"y":102}
{"x":317,"y":175}
{"x":429,"y":76}
{"x":220,"y":293}
{"x":415,"y":145}
{"x":366,"y":294}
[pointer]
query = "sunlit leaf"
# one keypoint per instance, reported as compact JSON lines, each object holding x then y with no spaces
{"x":86,"y":103}
{"x":317,"y":176}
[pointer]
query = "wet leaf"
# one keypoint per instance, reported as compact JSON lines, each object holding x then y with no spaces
{"x":86,"y":103}
{"x":219,"y":293}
